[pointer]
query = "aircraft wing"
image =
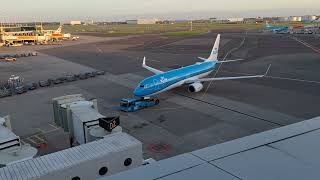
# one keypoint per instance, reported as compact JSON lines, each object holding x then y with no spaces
{"x":155,"y":71}
{"x":228,"y":78}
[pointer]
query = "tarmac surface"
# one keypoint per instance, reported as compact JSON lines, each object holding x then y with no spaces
{"x":182,"y":122}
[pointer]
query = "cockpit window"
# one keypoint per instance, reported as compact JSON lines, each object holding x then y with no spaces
{"x":141,"y":85}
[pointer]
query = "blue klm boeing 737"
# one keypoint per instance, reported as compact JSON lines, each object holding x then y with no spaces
{"x":192,"y":75}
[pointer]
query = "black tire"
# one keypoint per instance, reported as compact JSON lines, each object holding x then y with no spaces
{"x":157,"y":101}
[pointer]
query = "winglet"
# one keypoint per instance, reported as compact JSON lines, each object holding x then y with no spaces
{"x":155,"y":71}
{"x":144,"y":61}
{"x":265,"y":74}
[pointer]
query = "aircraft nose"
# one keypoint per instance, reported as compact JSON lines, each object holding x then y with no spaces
{"x":138,"y":92}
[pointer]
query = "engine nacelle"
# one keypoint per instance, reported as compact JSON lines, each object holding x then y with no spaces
{"x":195,"y":87}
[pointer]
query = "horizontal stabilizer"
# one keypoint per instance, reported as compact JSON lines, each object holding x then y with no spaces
{"x":205,"y":59}
{"x":232,"y":60}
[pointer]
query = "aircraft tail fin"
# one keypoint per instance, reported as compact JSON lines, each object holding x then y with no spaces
{"x":59,"y":30}
{"x":214,"y":53}
{"x":268,"y":25}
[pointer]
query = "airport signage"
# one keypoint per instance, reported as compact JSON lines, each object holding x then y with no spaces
{"x":109,"y":123}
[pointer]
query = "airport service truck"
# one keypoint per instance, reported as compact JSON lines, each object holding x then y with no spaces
{"x":132,"y":104}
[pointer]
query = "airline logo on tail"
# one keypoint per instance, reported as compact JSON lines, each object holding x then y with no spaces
{"x":57,"y":33}
{"x":214,"y":53}
{"x":59,"y":30}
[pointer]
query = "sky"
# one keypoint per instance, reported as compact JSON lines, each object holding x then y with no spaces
{"x":119,"y":10}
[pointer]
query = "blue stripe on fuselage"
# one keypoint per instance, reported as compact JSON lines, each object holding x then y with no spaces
{"x":156,"y":83}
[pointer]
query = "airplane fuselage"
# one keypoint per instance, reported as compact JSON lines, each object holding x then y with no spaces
{"x":277,"y":29}
{"x":280,"y":29}
{"x":172,"y":79}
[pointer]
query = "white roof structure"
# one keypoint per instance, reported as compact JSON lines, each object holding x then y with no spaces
{"x":6,"y":135}
{"x":17,"y":154}
{"x":58,"y":163}
{"x":11,"y":150}
{"x":86,"y":114}
{"x":289,"y":152}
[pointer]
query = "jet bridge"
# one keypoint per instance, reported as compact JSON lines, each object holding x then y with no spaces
{"x":11,"y":149}
{"x":82,"y":120}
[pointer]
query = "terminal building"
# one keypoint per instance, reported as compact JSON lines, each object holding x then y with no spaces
{"x":309,"y":18}
{"x":23,"y":34}
{"x":295,"y":18}
{"x":75,"y":23}
{"x":142,"y":21}
{"x":36,"y":34}
{"x":236,"y":20}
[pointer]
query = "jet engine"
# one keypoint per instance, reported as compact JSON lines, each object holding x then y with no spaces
{"x":195,"y":87}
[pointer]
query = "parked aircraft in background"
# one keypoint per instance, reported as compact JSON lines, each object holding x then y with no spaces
{"x":276,"y":29}
{"x":57,"y":34}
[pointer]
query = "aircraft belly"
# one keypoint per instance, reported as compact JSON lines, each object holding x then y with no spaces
{"x":180,"y":83}
{"x":168,"y":88}
{"x":197,"y":77}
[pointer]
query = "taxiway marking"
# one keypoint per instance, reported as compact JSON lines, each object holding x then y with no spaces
{"x":277,"y":77}
{"x":306,"y":44}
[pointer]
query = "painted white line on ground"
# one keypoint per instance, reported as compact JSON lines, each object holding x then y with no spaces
{"x":42,"y":131}
{"x":100,"y":51}
{"x":293,"y":79}
{"x":277,"y":77}
{"x":29,"y":139}
{"x":153,"y":60}
{"x":306,"y":44}
{"x":39,"y":139}
{"x":168,"y":44}
{"x":53,"y":125}
{"x":23,"y":142}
